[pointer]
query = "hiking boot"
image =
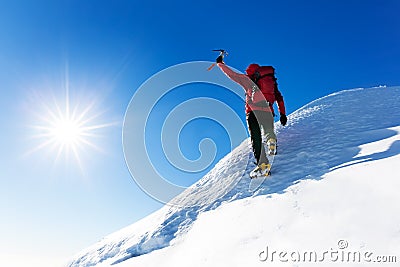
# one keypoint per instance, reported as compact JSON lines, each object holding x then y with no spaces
{"x":271,"y":146}
{"x":261,"y":170}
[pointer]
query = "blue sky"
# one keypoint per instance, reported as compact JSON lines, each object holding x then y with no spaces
{"x":102,"y":51}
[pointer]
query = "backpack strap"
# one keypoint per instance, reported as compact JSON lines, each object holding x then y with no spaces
{"x":257,"y":76}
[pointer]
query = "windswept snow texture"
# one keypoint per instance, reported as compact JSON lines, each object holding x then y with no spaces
{"x":322,"y":139}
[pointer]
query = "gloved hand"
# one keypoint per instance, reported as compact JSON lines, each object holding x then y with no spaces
{"x":220,"y":59}
{"x":283,"y":119}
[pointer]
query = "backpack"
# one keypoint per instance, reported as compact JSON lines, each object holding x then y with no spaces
{"x":264,"y":78}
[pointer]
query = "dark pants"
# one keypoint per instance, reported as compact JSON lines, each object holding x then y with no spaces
{"x":260,"y":124}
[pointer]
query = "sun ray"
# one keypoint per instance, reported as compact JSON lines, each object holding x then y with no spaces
{"x":90,"y":144}
{"x":98,"y":126}
{"x":77,"y":157}
{"x":59,"y":153}
{"x":91,"y":118}
{"x":39,"y":147}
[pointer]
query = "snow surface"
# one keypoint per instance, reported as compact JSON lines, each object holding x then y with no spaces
{"x":334,"y":184}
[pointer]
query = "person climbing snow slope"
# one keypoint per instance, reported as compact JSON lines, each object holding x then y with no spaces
{"x":261,"y":89}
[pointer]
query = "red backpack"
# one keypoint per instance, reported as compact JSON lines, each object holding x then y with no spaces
{"x":264,"y":77}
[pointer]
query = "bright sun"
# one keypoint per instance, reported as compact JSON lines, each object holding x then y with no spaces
{"x":67,"y":132}
{"x":66,"y":129}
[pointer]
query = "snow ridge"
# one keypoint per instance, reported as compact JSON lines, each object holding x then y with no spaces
{"x":324,"y":135}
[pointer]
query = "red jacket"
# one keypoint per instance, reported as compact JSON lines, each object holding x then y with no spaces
{"x":253,"y":92}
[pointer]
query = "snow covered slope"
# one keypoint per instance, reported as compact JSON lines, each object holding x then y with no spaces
{"x":334,"y":183}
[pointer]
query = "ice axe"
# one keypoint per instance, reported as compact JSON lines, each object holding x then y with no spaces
{"x":222,"y":53}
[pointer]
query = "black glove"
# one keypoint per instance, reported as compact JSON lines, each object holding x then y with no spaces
{"x":220,"y":59}
{"x":283,"y":119}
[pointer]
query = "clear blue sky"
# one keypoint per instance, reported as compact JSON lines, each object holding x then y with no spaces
{"x":106,"y":49}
